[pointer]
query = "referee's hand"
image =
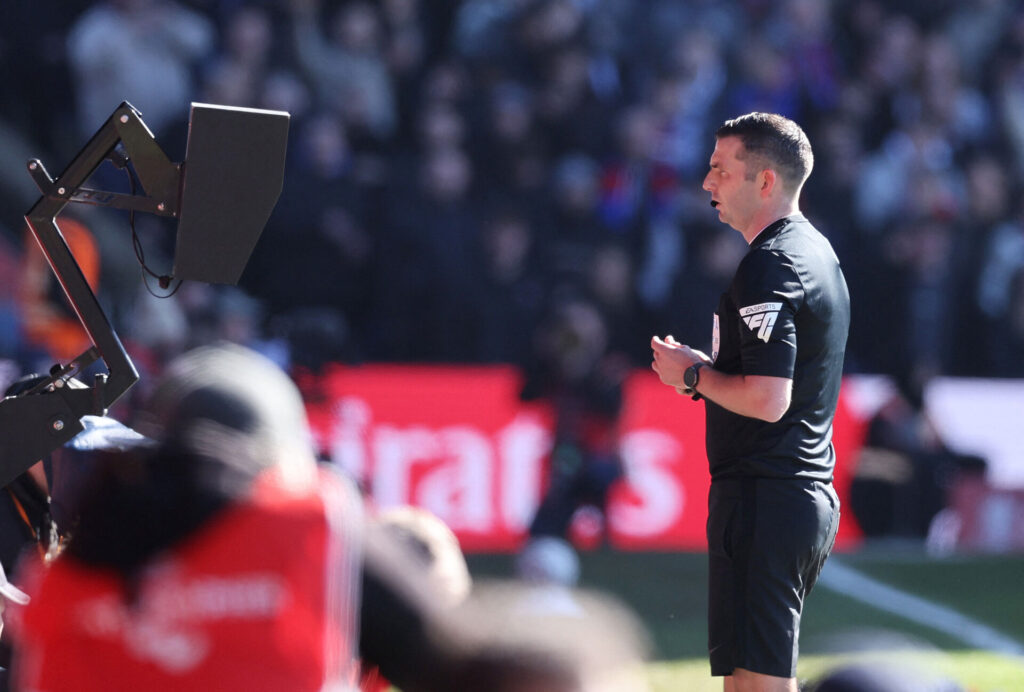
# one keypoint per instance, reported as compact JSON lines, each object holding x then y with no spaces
{"x":671,"y":359}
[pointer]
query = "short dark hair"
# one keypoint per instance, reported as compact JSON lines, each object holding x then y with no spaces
{"x":772,"y":141}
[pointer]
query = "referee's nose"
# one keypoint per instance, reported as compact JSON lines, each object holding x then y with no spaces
{"x":707,"y":182}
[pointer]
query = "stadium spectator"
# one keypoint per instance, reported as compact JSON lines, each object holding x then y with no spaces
{"x":571,"y":226}
{"x":428,"y":301}
{"x":905,"y":471}
{"x":997,"y":297}
{"x":571,"y":115}
{"x":919,"y":262}
{"x":575,"y":371}
{"x":1008,"y":340}
{"x":348,"y":68}
{"x":509,"y":150}
{"x":512,"y":289}
{"x":235,"y":75}
{"x":688,"y":94}
{"x":611,"y":276}
{"x":11,"y":338}
{"x":639,"y":204}
{"x":1008,"y":96}
{"x":407,"y":47}
{"x":140,"y":51}
{"x":807,"y":29}
{"x":767,"y":81}
{"x":988,"y":203}
{"x":318,"y":251}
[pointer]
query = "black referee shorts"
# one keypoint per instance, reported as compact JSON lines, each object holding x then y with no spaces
{"x":767,"y":542}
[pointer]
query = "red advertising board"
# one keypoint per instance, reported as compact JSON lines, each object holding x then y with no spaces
{"x":458,"y":441}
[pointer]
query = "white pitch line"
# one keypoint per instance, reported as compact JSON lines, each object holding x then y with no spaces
{"x":849,"y":582}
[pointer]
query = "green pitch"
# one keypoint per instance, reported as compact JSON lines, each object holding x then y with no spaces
{"x":974,"y":670}
{"x":667,"y":591}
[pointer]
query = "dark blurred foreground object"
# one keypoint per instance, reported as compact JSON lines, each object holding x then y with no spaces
{"x":879,"y":676}
{"x":222,"y":196}
{"x":219,"y":557}
{"x":26,"y":519}
{"x":549,"y":638}
{"x":434,"y":556}
{"x":39,"y":507}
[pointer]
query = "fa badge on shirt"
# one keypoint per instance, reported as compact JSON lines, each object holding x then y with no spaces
{"x":761,"y":318}
{"x":716,"y":339}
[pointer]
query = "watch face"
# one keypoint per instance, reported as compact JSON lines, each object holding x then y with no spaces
{"x":690,"y":377}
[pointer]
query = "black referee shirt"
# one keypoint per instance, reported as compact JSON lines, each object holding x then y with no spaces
{"x":786,"y":314}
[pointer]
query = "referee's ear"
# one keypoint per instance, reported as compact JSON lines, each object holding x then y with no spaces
{"x":769,"y":180}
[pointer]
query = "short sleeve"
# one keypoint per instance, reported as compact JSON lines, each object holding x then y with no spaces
{"x":767,"y":294}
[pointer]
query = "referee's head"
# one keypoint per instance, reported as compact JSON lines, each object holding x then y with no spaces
{"x":772,"y":141}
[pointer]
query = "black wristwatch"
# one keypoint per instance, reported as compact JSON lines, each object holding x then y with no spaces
{"x":691,"y":376}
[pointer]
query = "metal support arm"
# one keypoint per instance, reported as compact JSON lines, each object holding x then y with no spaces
{"x":37,"y":422}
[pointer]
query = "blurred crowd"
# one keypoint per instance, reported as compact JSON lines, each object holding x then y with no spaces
{"x":459,"y":172}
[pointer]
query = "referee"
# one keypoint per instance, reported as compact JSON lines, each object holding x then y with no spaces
{"x":770,"y":385}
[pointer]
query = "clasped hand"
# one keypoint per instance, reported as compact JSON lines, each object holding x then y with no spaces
{"x":671,"y":359}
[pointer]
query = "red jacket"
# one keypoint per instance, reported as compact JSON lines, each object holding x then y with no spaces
{"x":264,"y":597}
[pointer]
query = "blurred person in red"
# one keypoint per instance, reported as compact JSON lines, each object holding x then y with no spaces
{"x":219,"y":557}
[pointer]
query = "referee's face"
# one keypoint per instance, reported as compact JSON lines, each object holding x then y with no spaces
{"x":732,"y":194}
